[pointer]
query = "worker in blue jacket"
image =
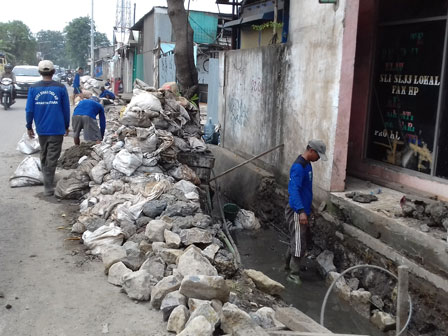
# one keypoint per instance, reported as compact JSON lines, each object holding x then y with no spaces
{"x":106,"y":96}
{"x":49,"y":107}
{"x":84,"y":118}
{"x":298,"y":210}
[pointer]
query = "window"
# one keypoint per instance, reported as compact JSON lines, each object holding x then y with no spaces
{"x":406,"y":110}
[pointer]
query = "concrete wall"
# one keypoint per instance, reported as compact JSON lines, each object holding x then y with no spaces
{"x":148,"y":46}
{"x":291,"y":93}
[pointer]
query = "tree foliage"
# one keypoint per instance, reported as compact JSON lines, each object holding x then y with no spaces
{"x":17,"y":40}
{"x":51,"y":46}
{"x":77,"y":37}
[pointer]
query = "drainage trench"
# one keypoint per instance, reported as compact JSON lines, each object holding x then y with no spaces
{"x":263,"y":250}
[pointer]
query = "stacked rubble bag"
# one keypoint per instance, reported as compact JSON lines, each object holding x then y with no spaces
{"x":141,"y":214}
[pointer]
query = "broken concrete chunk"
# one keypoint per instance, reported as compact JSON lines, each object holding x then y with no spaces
{"x":112,"y":254}
{"x":162,"y":288}
{"x":171,"y":301}
{"x":116,"y":273}
{"x":383,"y":321}
{"x":205,"y":287}
{"x":154,"y":208}
{"x":134,"y":256}
{"x":181,"y":209}
{"x":325,"y":262}
{"x":201,"y":220}
{"x":138,"y":285}
{"x":353,"y":283}
{"x":192,"y":262}
{"x":208,"y":312}
{"x":193,"y":304}
{"x":265,"y":318}
{"x":195,"y":236}
{"x":225,"y":263}
{"x":264,"y":283}
{"x":199,"y":326}
{"x":377,"y":301}
{"x":170,"y":256}
{"x":360,"y":300}
{"x":210,"y":251}
{"x":155,"y":266}
{"x":235,"y":320}
{"x":172,"y":239}
{"x":155,"y":229}
{"x":177,"y":319}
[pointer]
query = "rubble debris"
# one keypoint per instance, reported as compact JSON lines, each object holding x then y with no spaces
{"x":361,"y":197}
{"x":432,"y":213}
{"x":383,"y":321}
{"x":71,"y":156}
{"x":264,"y":283}
{"x":141,"y":211}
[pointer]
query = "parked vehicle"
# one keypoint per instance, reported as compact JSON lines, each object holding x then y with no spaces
{"x":69,"y":79}
{"x":6,"y":94}
{"x":26,"y":75}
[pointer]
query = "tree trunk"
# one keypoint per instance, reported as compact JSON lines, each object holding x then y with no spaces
{"x":186,"y":72}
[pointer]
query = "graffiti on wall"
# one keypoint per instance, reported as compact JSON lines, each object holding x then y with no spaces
{"x":239,"y":112}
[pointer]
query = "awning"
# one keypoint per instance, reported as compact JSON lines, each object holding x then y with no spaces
{"x":269,"y":16}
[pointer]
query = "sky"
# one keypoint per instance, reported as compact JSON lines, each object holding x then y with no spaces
{"x":56,"y":14}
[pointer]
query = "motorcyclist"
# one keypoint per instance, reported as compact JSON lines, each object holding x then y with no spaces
{"x":9,"y":74}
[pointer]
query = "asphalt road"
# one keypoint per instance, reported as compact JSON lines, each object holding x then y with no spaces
{"x":48,"y":286}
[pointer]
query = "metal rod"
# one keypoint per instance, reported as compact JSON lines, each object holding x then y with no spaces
{"x":246,"y":162}
{"x":402,"y":299}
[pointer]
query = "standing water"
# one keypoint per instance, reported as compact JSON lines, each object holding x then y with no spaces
{"x":263,"y":251}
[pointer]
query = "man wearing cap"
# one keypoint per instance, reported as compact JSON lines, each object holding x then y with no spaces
{"x":49,"y":107}
{"x":298,"y":210}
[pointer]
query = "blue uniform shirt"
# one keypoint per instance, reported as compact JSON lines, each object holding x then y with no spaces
{"x":91,"y":108}
{"x":106,"y":93}
{"x":300,"y":187}
{"x":49,"y":107}
{"x":76,"y":81}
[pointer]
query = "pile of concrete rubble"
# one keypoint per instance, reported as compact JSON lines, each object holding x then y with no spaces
{"x":141,"y":213}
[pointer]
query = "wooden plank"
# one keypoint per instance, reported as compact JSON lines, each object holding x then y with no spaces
{"x":301,"y":333}
{"x":295,"y":320}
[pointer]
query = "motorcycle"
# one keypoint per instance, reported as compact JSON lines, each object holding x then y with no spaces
{"x":6,"y":92}
{"x":69,"y":79}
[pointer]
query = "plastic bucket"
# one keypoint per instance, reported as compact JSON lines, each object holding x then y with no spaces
{"x":230,"y":211}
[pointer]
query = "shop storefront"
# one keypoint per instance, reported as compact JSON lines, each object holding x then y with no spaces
{"x":399,"y":94}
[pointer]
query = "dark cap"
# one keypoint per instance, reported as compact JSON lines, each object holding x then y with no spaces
{"x":319,"y":147}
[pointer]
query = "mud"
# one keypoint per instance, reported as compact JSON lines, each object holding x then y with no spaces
{"x":70,"y":158}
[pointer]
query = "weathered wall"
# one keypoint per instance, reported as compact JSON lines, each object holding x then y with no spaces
{"x":148,"y":46}
{"x":287,"y":93}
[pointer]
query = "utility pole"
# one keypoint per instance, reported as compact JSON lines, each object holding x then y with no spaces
{"x":92,"y":52}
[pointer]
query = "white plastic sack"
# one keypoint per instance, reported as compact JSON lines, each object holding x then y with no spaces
{"x":28,"y":173}
{"x":247,"y":220}
{"x":126,"y":162}
{"x":102,"y":237}
{"x":97,"y":173}
{"x":189,"y":189}
{"x":145,"y":101}
{"x":197,"y":145}
{"x":26,"y":145}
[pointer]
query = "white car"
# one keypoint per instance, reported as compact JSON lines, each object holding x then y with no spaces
{"x":26,"y":75}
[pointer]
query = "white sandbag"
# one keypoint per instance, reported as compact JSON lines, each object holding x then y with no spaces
{"x":145,"y":101}
{"x":247,"y":220}
{"x":97,"y":173}
{"x":197,"y":145}
{"x":189,"y":189}
{"x":129,"y":212}
{"x":26,"y":145}
{"x":126,"y":162}
{"x":28,"y":173}
{"x":105,"y":235}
